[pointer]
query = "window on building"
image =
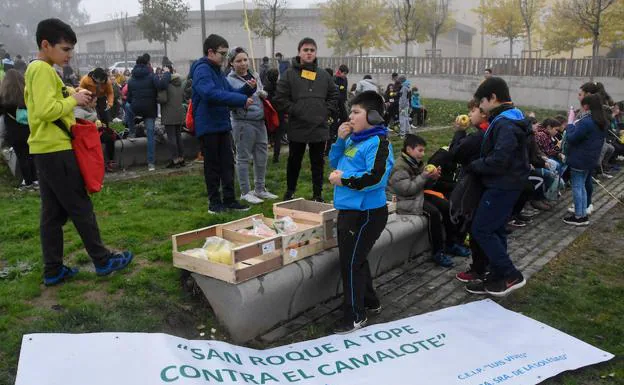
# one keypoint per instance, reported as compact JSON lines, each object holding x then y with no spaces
{"x":464,"y":38}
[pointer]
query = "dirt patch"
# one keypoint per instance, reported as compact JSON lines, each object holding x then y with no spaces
{"x":102,"y":296}
{"x":48,"y":298}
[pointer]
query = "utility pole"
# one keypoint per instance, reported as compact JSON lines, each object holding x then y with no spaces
{"x":482,"y":32}
{"x":203,"y":20}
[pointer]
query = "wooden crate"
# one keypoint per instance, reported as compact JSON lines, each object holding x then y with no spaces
{"x":306,"y":241}
{"x":252,"y":256}
{"x":314,"y":213}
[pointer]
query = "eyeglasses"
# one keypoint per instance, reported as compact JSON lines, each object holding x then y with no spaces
{"x":222,"y":53}
{"x":308,"y":50}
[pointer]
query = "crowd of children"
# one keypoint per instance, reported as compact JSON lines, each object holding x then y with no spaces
{"x":471,"y":192}
{"x":507,"y":161}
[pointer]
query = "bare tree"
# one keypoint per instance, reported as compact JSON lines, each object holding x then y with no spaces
{"x":529,"y":9}
{"x":268,"y":20}
{"x":123,"y":29}
{"x":437,"y":16}
{"x":590,"y":16}
{"x":409,"y":22}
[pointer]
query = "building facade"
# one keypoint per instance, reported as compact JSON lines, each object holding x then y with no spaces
{"x":104,"y":37}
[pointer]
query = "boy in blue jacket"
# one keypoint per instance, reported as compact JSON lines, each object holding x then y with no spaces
{"x":212,"y":97}
{"x":363,"y":159}
{"x":503,"y":168}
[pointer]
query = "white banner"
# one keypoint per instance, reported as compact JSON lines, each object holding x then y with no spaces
{"x":479,"y":343}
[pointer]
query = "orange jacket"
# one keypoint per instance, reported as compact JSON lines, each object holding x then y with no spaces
{"x":98,"y":90}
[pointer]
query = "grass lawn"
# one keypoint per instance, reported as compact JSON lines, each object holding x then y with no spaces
{"x":142,"y":214}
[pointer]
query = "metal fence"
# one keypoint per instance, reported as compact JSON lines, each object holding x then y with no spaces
{"x":87,"y":61}
{"x":475,"y":66}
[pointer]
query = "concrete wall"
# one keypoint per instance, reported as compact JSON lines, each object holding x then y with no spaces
{"x":543,"y":92}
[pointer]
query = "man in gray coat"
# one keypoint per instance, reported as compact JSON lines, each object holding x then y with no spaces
{"x":307,"y":96}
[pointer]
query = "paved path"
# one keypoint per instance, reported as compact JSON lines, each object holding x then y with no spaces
{"x":419,"y":286}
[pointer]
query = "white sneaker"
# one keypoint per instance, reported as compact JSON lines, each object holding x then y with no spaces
{"x":265,"y":195}
{"x":251,"y":198}
{"x":590,"y":209}
{"x":151,"y":167}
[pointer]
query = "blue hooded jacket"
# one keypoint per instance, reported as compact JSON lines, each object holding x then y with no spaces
{"x":366,"y":160}
{"x":584,"y":141}
{"x":504,"y":162}
{"x":212,"y":96}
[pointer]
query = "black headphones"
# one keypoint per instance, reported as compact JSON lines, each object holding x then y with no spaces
{"x":374,"y":117}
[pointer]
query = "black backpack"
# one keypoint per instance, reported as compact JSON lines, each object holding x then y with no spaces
{"x":465,"y":199}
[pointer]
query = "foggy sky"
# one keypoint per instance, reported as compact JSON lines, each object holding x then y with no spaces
{"x":101,"y":10}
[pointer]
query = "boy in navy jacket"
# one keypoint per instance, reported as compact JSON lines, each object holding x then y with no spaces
{"x":363,"y":159}
{"x":503,"y":168}
{"x":212,"y":98}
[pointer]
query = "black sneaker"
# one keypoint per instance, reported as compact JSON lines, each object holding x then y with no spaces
{"x":318,"y":198}
{"x":373,"y":307}
{"x":236,"y":206}
{"x":524,"y":218}
{"x":289,"y":195}
{"x":502,"y":287}
{"x":216,"y":208}
{"x":516,"y":223}
{"x":574,"y":221}
{"x":347,"y":325}
{"x":476,"y":287}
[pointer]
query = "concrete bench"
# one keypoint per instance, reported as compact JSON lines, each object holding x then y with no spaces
{"x":253,"y":307}
{"x":127,"y":153}
{"x":134,"y":153}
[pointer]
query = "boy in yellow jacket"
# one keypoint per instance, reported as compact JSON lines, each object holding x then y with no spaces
{"x":63,"y":195}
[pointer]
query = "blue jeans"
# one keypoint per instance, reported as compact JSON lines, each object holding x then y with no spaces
{"x":581,"y":191}
{"x":150,"y":126}
{"x":129,"y":120}
{"x":488,"y":229}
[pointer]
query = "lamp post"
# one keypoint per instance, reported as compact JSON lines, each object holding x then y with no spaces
{"x":203,"y":19}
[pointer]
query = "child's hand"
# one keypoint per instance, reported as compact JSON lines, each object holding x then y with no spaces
{"x":83,"y":97}
{"x":249,"y":102}
{"x":335,"y":178}
{"x":345,"y":130}
{"x":433,"y":174}
{"x":252,"y":83}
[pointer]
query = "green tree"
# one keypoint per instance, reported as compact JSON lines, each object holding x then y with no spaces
{"x":335,"y":15}
{"x":268,"y":20}
{"x":595,"y":17}
{"x":163,"y":20}
{"x":357,"y":25}
{"x":561,"y":36}
{"x":502,"y":20}
{"x":530,"y":11}
{"x":410,"y":23}
{"x":371,"y":25}
{"x":24,"y":15}
{"x":439,"y":21}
